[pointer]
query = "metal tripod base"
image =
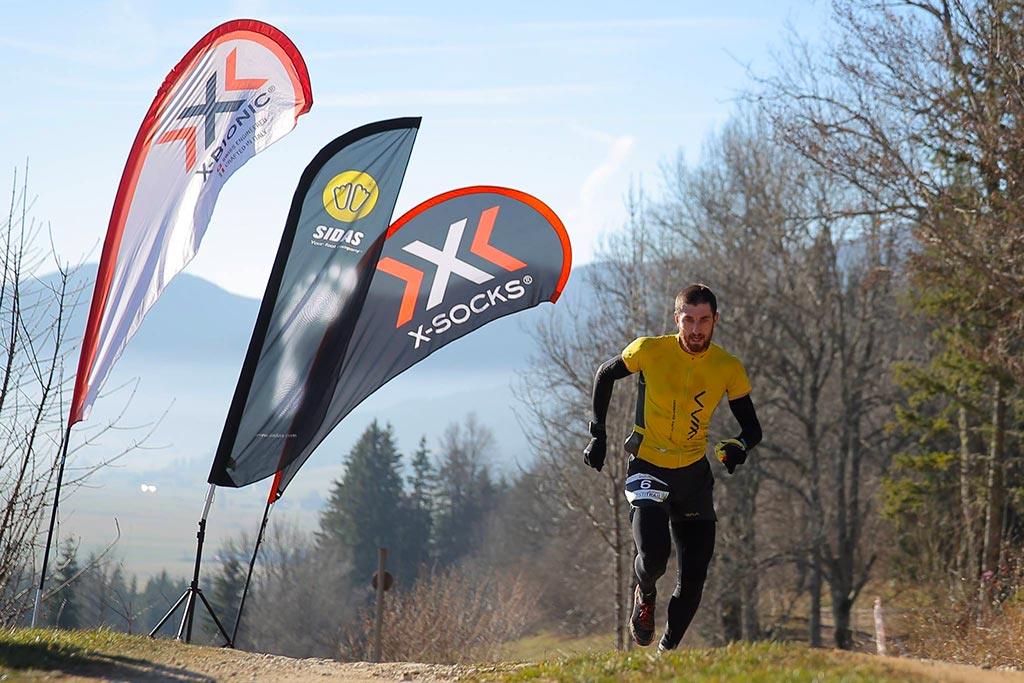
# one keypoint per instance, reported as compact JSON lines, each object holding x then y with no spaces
{"x":186,"y":619}
{"x":189,"y":596}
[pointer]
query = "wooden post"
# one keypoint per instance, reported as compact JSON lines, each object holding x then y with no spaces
{"x":378,"y":626}
{"x":879,"y":628}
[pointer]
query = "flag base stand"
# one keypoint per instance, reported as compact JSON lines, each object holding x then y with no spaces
{"x":190,"y":594}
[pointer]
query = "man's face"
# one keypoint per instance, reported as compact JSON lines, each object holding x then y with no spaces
{"x":696,"y":326}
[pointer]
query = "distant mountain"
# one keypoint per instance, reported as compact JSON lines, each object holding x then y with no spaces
{"x":196,"y":315}
{"x":185,"y":361}
{"x":189,"y":350}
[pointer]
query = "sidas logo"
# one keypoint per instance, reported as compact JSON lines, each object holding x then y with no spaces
{"x":350,"y":195}
{"x":337,"y":235}
{"x":447,"y":264}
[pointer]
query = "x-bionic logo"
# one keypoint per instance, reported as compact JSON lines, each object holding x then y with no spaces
{"x":447,"y":264}
{"x":209,"y":110}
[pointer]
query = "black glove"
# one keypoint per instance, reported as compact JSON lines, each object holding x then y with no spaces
{"x":595,"y":451}
{"x":732,"y":453}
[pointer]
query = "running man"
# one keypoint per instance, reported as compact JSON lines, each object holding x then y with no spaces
{"x":669,"y":483}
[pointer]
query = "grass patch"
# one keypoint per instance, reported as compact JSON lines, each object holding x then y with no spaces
{"x":756,"y":663}
{"x":34,"y":654}
{"x":548,"y":645}
{"x":27,"y":649}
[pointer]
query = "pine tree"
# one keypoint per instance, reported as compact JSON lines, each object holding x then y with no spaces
{"x":365,"y":509}
{"x":464,"y":489}
{"x":418,"y":524}
{"x":159,"y":595}
{"x":227,"y":583}
{"x":64,"y":605}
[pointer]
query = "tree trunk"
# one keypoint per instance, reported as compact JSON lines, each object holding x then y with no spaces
{"x":995,"y":500}
{"x":730,"y":599}
{"x":621,"y":577}
{"x":842,"y":605}
{"x":969,"y":550}
{"x":751,"y":622}
{"x":814,"y":587}
{"x":748,"y":577}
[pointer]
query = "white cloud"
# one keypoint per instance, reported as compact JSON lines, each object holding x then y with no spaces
{"x":127,"y":37}
{"x":592,"y":44}
{"x":647,"y":24}
{"x":600,"y":198}
{"x":618,"y":149}
{"x":344,"y":24}
{"x":59,"y":51}
{"x":457,"y":96}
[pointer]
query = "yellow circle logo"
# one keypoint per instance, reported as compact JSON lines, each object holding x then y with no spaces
{"x":350,"y":195}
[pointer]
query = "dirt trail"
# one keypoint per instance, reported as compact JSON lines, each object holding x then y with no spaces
{"x":200,"y":664}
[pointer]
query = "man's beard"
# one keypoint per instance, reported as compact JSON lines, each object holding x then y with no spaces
{"x":697,"y":347}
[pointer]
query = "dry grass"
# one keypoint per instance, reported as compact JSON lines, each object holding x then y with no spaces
{"x":957,"y":636}
{"x":453,"y":616}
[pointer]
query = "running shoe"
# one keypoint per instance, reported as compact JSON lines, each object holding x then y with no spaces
{"x":641,"y":625}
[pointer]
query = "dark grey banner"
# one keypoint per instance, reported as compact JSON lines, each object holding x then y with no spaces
{"x":327,"y":259}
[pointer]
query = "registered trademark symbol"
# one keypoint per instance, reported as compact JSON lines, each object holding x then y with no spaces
{"x":527,"y":279}
{"x":272,"y":88}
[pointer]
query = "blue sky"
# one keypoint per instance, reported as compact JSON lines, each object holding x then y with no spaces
{"x":569,"y":101}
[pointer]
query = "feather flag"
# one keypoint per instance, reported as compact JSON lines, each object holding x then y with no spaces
{"x":236,"y":92}
{"x":340,"y":212}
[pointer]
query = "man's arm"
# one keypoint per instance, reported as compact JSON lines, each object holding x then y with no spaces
{"x":750,"y":428}
{"x":604,"y":382}
{"x":733,"y":452}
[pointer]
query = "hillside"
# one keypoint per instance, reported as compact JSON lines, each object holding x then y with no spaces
{"x":35,"y":655}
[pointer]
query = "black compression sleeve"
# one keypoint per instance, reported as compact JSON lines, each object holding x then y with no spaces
{"x":743,"y":410}
{"x":609,"y":371}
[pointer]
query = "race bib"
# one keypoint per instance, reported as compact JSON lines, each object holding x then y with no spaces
{"x":645,"y":489}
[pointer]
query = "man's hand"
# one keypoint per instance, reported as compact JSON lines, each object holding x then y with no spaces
{"x":731,"y":453}
{"x":593,"y":454}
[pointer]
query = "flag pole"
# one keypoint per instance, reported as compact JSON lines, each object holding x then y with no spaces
{"x":252,"y":562}
{"x":53,"y":523}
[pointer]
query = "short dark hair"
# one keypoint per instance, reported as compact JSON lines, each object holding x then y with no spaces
{"x":695,"y":295}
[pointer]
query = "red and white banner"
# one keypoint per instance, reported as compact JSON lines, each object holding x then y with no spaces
{"x":237,"y":91}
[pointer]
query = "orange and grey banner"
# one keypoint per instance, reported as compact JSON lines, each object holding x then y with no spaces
{"x":449,"y":266}
{"x":332,"y":240}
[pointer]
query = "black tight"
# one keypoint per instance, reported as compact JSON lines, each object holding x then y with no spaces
{"x":654,"y":533}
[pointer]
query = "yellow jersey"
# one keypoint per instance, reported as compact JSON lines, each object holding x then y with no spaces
{"x":678,"y":392}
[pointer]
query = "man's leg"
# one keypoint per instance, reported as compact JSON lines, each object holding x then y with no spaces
{"x":695,"y":543}
{"x":653,"y":546}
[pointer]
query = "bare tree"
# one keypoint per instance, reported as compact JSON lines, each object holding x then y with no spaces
{"x":33,"y":350}
{"x":35,"y":382}
{"x":809,"y":291}
{"x":299,"y":603}
{"x":918,"y":106}
{"x":625,"y":299}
